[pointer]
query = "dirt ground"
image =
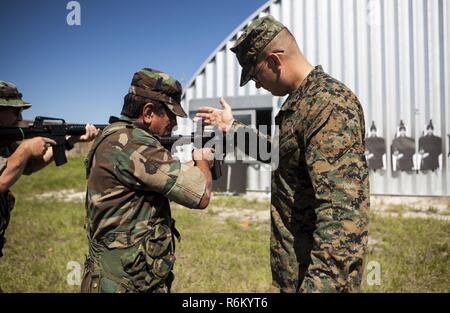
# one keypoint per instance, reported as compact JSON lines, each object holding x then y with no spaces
{"x":403,"y":207}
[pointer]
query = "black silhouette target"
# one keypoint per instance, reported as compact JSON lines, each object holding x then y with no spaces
{"x":375,"y":150}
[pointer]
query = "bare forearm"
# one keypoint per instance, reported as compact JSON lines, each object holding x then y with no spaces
{"x":204,"y":167}
{"x":14,"y":169}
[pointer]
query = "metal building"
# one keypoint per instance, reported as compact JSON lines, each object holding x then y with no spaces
{"x":395,"y":55}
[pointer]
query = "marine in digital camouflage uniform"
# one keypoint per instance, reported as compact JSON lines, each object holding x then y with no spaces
{"x":320,"y":189}
{"x":131,"y":179}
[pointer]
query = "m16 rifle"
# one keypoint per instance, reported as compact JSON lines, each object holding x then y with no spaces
{"x":202,"y":139}
{"x":57,"y":129}
{"x":53,"y":128}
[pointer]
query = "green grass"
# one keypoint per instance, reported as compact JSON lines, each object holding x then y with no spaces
{"x":68,"y":176}
{"x":239,"y":202}
{"x":42,"y":238}
{"x":220,"y":257}
{"x":413,"y":254}
{"x":399,"y":209}
{"x":214,"y":255}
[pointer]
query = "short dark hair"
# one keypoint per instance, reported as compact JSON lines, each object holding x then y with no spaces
{"x":133,"y":105}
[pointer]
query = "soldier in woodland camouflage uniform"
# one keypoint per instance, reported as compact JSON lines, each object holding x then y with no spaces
{"x":131,"y":179}
{"x":320,"y":190}
{"x":11,"y":106}
{"x":27,"y":157}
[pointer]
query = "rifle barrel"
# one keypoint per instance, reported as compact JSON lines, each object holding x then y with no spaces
{"x":79,"y":129}
{"x":11,"y":134}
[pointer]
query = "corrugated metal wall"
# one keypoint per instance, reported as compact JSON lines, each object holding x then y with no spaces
{"x":393,"y":53}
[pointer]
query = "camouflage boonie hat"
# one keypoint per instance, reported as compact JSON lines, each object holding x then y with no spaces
{"x":253,"y":41}
{"x":159,"y":86}
{"x":11,"y":97}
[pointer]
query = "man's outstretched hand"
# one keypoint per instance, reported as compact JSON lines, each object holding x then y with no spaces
{"x":221,"y":118}
{"x":91,"y":133}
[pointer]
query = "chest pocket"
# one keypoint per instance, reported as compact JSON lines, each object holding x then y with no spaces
{"x":289,"y":152}
{"x":288,"y":144}
{"x":285,"y":120}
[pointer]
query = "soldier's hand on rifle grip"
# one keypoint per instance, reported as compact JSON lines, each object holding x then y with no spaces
{"x":38,"y":146}
{"x":203,"y":155}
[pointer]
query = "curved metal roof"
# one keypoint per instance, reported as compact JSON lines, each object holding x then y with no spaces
{"x":233,"y":34}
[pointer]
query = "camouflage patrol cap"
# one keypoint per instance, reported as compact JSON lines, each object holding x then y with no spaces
{"x":159,"y":86}
{"x":253,"y":41}
{"x":11,"y":97}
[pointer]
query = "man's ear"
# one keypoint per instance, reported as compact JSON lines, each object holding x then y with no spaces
{"x":274,"y":60}
{"x":147,"y":113}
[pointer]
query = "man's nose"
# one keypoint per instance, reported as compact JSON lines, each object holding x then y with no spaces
{"x":19,"y":117}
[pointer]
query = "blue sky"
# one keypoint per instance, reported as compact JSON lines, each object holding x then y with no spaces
{"x":81,"y":73}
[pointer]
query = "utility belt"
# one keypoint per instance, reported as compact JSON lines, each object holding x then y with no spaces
{"x":143,"y":267}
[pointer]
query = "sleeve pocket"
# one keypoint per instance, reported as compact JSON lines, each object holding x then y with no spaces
{"x":335,"y":146}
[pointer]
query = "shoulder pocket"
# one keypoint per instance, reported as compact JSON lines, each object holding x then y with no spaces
{"x":332,"y":145}
{"x":317,"y":123}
